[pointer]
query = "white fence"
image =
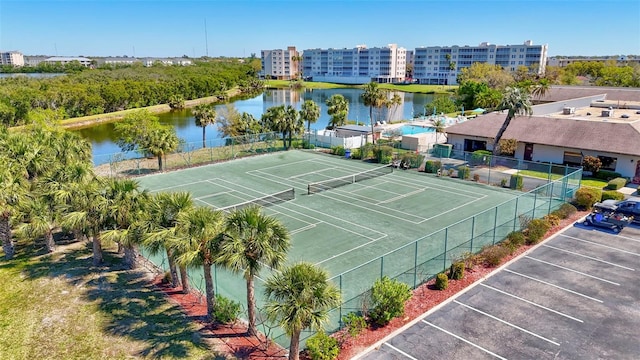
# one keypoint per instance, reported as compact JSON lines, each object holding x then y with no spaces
{"x":328,"y":138}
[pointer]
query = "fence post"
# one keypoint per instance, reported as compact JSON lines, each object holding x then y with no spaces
{"x":535,"y":197}
{"x":473,"y":225}
{"x":444,"y":257}
{"x":495,"y":224}
{"x":381,"y":266}
{"x":515,"y":215}
{"x":415,"y":267}
{"x":549,"y":174}
{"x":341,"y":303}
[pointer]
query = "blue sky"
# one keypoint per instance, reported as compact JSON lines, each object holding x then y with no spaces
{"x":241,"y":27}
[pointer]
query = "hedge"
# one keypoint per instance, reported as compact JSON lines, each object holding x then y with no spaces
{"x":617,"y":183}
{"x":612,"y":195}
{"x":587,"y":196}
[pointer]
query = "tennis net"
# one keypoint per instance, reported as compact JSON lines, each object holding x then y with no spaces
{"x":319,"y":186}
{"x":268,"y":200}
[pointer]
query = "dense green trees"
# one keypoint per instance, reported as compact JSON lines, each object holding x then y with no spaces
{"x":97,"y":91}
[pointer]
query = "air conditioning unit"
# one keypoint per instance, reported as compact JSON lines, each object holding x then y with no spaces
{"x":568,"y":110}
{"x":607,"y":113}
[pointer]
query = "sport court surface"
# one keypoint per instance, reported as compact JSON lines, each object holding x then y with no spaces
{"x":574,"y":297}
{"x":340,"y":228}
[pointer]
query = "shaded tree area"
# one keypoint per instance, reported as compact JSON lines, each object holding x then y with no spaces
{"x":98,"y":91}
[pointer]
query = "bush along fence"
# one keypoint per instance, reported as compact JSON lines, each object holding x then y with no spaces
{"x":140,"y":162}
{"x":424,"y":258}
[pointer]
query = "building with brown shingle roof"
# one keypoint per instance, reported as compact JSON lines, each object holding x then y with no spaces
{"x":605,"y":125}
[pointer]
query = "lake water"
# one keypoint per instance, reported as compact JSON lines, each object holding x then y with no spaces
{"x":103,"y":139}
{"x":30,"y":75}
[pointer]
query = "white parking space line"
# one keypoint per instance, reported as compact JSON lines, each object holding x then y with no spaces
{"x":400,"y":351}
{"x":531,"y":303}
{"x":553,"y":285}
{"x":572,"y":270}
{"x":601,"y":245}
{"x":464,"y":340}
{"x":506,"y":323}
{"x":588,"y":257}
{"x":628,"y":238}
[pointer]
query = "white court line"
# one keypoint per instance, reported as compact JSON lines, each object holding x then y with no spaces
{"x":216,"y":194}
{"x":400,"y":196}
{"x":175,"y":186}
{"x":531,"y":302}
{"x":588,"y":257}
{"x":507,"y":323}
{"x":571,"y":270}
{"x":553,"y":285}
{"x":299,"y":230}
{"x":601,"y":245}
{"x":464,"y":340}
{"x":400,"y":351}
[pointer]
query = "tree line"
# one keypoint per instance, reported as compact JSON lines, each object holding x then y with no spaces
{"x":47,"y":185}
{"x":104,"y":90}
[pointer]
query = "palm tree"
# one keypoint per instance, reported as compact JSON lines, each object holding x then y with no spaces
{"x":164,"y":210}
{"x":126,"y":207}
{"x":517,"y":101}
{"x":161,"y":141}
{"x":205,"y":115}
{"x":41,"y":219}
{"x":197,"y":243}
{"x":439,"y":126}
{"x":309,"y":112}
{"x":338,"y":109}
{"x":13,"y":188}
{"x":292,"y":123}
{"x":251,"y":241}
{"x":372,"y":97}
{"x":393,"y":104}
{"x":272,"y":119}
{"x":300,"y":297}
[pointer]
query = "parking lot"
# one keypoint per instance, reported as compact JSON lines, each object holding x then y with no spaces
{"x":576,"y":296}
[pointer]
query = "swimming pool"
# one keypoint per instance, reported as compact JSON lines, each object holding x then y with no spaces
{"x":416,"y":129}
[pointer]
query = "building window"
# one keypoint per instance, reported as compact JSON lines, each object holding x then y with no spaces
{"x":572,"y":158}
{"x":608,"y":163}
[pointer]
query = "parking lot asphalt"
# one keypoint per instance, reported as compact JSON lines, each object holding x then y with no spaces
{"x":575,"y":296}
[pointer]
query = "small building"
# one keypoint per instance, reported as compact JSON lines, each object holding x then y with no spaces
{"x":64,"y":60}
{"x":13,"y":58}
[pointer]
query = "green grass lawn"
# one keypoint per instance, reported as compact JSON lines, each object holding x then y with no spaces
{"x":593,"y":182}
{"x":58,"y":306}
{"x":588,"y":182}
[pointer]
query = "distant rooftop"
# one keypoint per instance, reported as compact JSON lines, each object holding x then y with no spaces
{"x":629,"y":114}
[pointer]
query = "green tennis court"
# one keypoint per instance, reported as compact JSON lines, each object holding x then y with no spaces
{"x":345,"y":227}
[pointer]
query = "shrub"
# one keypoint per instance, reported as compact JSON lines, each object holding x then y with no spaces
{"x":307,"y":145}
{"x":356,"y":153}
{"x":516,"y":238}
{"x":167,"y":278}
{"x":354,"y":323}
{"x":536,"y":230}
{"x":383,"y":154}
{"x":481,"y":157}
{"x":586,"y":196}
{"x":606,"y":175}
{"x":476,"y":177}
{"x":503,"y":182}
{"x":507,"y":147}
{"x":442,"y":281}
{"x":617,"y":183}
{"x":612,"y":194}
{"x":451,"y":172}
{"x":516,"y":182}
{"x":388,"y":297}
{"x":412,"y":159}
{"x":456,"y":271}
{"x":464,"y":172}
{"x":226,"y":310}
{"x":337,"y":150}
{"x":592,"y":164}
{"x":552,"y":219}
{"x":432,"y":166}
{"x":492,"y":256}
{"x":566,"y":210}
{"x":322,"y":347}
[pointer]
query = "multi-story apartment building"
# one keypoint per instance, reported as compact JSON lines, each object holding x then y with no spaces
{"x":281,"y":64}
{"x":358,"y":65}
{"x":441,"y":65}
{"x":14,"y":58}
{"x":64,"y":60}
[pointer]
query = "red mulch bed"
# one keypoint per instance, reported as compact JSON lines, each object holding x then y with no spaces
{"x":233,"y":341}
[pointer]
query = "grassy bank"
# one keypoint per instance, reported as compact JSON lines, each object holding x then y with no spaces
{"x":412,"y":88}
{"x":60,"y":307}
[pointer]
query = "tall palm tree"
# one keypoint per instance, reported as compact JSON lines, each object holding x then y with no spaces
{"x":373,"y":97}
{"x":300,"y":297}
{"x":393,"y":104}
{"x":205,"y":115}
{"x":292,"y":123}
{"x":273,"y":119}
{"x":338,"y":109}
{"x":162,"y":141}
{"x":164,"y":210}
{"x":440,"y":127}
{"x":198,"y":245}
{"x":309,"y":112}
{"x":40,"y":219}
{"x":127,"y":203}
{"x":517,"y":101}
{"x":13,"y":188}
{"x":252,"y":240}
